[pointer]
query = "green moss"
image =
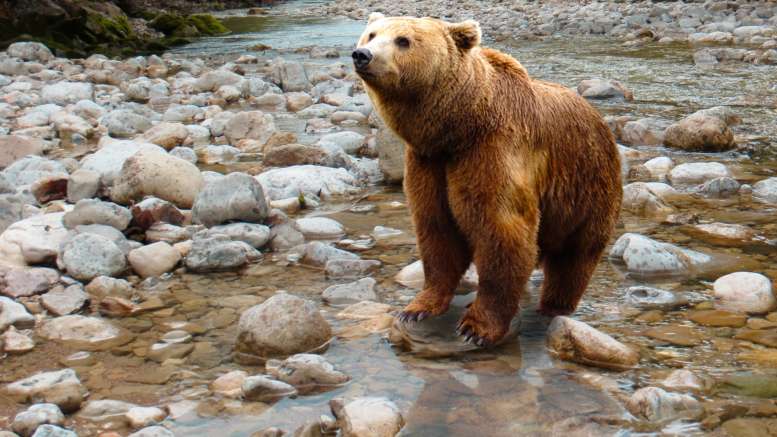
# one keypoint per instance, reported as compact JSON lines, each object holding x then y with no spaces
{"x":167,"y":23}
{"x":207,"y":24}
{"x":103,"y":28}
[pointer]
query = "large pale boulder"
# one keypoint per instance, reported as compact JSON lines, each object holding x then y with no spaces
{"x":308,"y":180}
{"x":34,"y":240}
{"x":151,"y":173}
{"x":745,"y":292}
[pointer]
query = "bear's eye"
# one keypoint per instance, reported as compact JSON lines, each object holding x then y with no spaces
{"x":371,"y":36}
{"x":403,"y":42}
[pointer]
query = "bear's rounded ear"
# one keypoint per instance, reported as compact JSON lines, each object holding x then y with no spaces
{"x":375,"y":16}
{"x":466,"y":34}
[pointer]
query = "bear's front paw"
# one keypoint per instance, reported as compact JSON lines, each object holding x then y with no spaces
{"x":426,"y":303}
{"x":483,"y":328}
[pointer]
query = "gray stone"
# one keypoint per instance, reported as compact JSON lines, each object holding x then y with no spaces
{"x":306,"y":372}
{"x":720,"y":187}
{"x":66,"y":93}
{"x":651,"y":298}
{"x":320,"y":228}
{"x":218,"y":252}
{"x":645,"y":256}
{"x":237,"y":196}
{"x":53,"y":431}
{"x":14,"y":314}
{"x":260,"y":388}
{"x":94,"y":211}
{"x":309,"y":180}
{"x":290,"y":76}
{"x":657,"y":405}
{"x":254,"y":234}
{"x":30,"y":51}
{"x":30,"y":169}
{"x":252,"y":125}
{"x":87,"y":256}
{"x":123,"y":123}
{"x":281,"y":326}
{"x":25,"y":282}
{"x":766,"y":190}
{"x":318,"y":253}
{"x":61,"y":387}
{"x":65,"y":301}
{"x":26,"y":422}
{"x":350,"y":268}
{"x":83,"y":184}
{"x":342,"y":294}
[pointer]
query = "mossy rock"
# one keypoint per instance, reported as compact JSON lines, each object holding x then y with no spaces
{"x":177,"y":25}
{"x":208,"y":24}
{"x":167,"y":23}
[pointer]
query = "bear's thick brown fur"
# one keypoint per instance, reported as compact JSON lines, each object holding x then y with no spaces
{"x":501,"y":169}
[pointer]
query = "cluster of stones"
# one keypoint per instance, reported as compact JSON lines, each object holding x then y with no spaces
{"x":719,"y":31}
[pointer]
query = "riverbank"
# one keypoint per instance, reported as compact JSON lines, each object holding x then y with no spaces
{"x":212,"y":242}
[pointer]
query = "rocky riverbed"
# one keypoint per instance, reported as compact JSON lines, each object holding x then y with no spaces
{"x":212,"y":242}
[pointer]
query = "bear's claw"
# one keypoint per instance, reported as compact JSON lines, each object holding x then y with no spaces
{"x":469,"y":335}
{"x":411,"y":316}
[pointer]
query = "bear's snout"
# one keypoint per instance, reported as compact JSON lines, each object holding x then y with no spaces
{"x":361,"y":58}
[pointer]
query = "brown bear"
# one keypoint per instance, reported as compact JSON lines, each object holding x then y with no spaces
{"x":500,"y":169}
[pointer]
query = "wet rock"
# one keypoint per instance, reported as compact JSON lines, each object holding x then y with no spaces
{"x":83,"y":184}
{"x":14,"y":314}
{"x":166,"y":135}
{"x":254,"y":234}
{"x":720,"y":187}
{"x":123,"y":123}
{"x":110,"y":158}
{"x":152,"y":210}
{"x":65,"y":301}
{"x":61,"y":387}
{"x":766,"y":190}
{"x":650,"y":298}
{"x":230,"y":384}
{"x":723,"y":234}
{"x":94,"y":211}
{"x":744,"y":292}
{"x":645,"y":256}
{"x":638,"y":198}
{"x":150,"y":173}
{"x":700,"y":132}
{"x":139,"y":417}
{"x":697,"y":173}
{"x":412,"y":276}
{"x":237,"y":196}
{"x":318,"y":253}
{"x":260,"y":388}
{"x":14,"y":148}
{"x":26,"y":422}
{"x":30,"y":51}
{"x":657,"y":405}
{"x":320,"y":228}
{"x":161,"y":352}
{"x":30,"y":169}
{"x":16,"y":343}
{"x":677,"y":335}
{"x":25,"y":282}
{"x":659,"y":166}
{"x":66,"y":93}
{"x":154,"y":259}
{"x":306,"y":372}
{"x":32,"y":241}
{"x":766,"y":337}
{"x":251,"y":125}
{"x":603,"y":89}
{"x":285,"y":236}
{"x":350,"y":142}
{"x":365,"y":310}
{"x":683,"y":380}
{"x":283,"y":325}
{"x":290,"y":76}
{"x":153,"y":431}
{"x":294,"y":154}
{"x":367,"y":416}
{"x":53,"y":431}
{"x":102,"y":286}
{"x":363,"y":289}
{"x":576,"y":341}
{"x":87,"y":256}
{"x":104,"y":411}
{"x":350,"y":268}
{"x":718,"y":318}
{"x":308,"y":180}
{"x":215,"y":252}
{"x":80,"y":331}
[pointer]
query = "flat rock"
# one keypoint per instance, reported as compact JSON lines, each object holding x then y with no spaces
{"x":14,"y":147}
{"x":65,"y":301}
{"x":309,"y":180}
{"x":320,"y":228}
{"x":61,"y":387}
{"x":658,"y":405}
{"x":306,"y":372}
{"x":261,"y":388}
{"x":94,"y":211}
{"x":644,"y":256}
{"x":14,"y":314}
{"x":677,"y":335}
{"x":697,"y":173}
{"x":363,"y":289}
{"x":649,"y":298}
{"x":256,"y":235}
{"x":718,"y":318}
{"x":24,"y":282}
{"x":90,"y":333}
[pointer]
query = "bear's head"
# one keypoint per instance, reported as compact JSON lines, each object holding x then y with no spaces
{"x":404,"y":55}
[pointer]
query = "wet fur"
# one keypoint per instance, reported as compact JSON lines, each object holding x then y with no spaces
{"x":502,"y":170}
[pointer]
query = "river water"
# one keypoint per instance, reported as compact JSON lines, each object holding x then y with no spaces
{"x":518,"y":389}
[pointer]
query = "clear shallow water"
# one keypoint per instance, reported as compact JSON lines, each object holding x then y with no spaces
{"x":517,"y":389}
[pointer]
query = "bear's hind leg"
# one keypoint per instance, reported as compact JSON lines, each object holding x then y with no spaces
{"x":568,"y":271}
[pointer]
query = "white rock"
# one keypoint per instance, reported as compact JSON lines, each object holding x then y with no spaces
{"x":26,"y":422}
{"x":124,"y":123}
{"x":153,"y":431}
{"x":62,"y":388}
{"x":348,"y":141}
{"x":139,"y":417}
{"x":657,"y":405}
{"x":260,"y":388}
{"x":283,"y":325}
{"x":363,"y":289}
{"x":254,"y":234}
{"x":306,"y":372}
{"x":367,"y":417}
{"x":30,"y":169}
{"x":166,"y":135}
{"x":412,"y":276}
{"x":154,"y":259}
{"x":65,"y":301}
{"x":109,"y":160}
{"x":66,"y":93}
{"x":213,"y":80}
{"x":230,"y":384}
{"x":53,"y":431}
{"x":320,"y":228}
{"x":766,"y":190}
{"x":697,"y":172}
{"x":33,"y":240}
{"x":308,"y":180}
{"x":82,"y":184}
{"x":218,"y":252}
{"x":744,"y":292}
{"x":15,"y":343}
{"x":645,"y":256}
{"x":30,"y":51}
{"x":576,"y":341}
{"x":158,"y":174}
{"x":252,"y":125}
{"x":659,"y":166}
{"x":237,"y":196}
{"x":93,"y":211}
{"x":91,"y":332}
{"x":15,"y":314}
{"x":638,"y":198}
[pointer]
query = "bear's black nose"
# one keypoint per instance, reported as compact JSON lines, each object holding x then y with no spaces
{"x":361,"y":58}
